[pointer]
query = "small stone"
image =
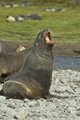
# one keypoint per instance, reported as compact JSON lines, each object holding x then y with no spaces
{"x":26,"y":100}
{"x":12,"y":119}
{"x":64,"y":89}
{"x":21,"y":115}
{"x":32,"y":103}
{"x":11,"y":105}
{"x":37,"y":103}
{"x":78,"y":114}
{"x":2,"y":98}
{"x":77,"y":90}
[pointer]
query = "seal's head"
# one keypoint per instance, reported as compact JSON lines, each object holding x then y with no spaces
{"x":44,"y":39}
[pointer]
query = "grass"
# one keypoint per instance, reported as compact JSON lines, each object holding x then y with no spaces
{"x":64,"y":26}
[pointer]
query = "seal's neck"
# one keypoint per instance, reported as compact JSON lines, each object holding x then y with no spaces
{"x":42,"y":48}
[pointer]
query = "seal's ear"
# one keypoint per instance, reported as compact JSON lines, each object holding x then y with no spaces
{"x":18,"y":45}
{"x":40,"y":35}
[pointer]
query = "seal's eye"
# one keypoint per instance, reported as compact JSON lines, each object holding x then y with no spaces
{"x":40,"y":35}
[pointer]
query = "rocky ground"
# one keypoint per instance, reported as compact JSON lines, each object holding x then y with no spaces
{"x":64,"y":83}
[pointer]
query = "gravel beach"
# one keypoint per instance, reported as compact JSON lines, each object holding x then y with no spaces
{"x":64,"y":83}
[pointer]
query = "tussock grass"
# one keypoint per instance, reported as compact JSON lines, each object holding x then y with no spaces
{"x":64,"y":26}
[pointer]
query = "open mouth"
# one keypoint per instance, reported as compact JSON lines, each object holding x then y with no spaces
{"x":48,"y":39}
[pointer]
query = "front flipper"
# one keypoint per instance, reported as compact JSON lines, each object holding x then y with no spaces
{"x":21,"y":96}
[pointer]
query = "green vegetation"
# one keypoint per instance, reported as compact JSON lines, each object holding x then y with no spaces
{"x":64,"y":26}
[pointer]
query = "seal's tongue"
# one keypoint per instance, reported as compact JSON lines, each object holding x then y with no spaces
{"x":48,"y":41}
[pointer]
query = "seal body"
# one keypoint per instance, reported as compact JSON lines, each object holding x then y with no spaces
{"x":10,"y":19}
{"x":20,"y":48}
{"x":34,"y":80}
{"x":4,"y":47}
{"x":12,"y":62}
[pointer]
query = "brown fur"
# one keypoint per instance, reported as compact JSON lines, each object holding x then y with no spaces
{"x":20,"y":48}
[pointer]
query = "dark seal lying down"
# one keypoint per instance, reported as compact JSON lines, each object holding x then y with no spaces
{"x":5,"y":48}
{"x":11,"y":63}
{"x":34,"y":80}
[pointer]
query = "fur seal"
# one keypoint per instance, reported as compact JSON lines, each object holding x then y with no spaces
{"x":34,"y":80}
{"x":5,"y":48}
{"x":10,"y":19}
{"x":11,"y":63}
{"x":20,"y":48}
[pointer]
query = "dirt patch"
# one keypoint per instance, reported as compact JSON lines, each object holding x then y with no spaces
{"x":62,"y":49}
{"x":59,"y":49}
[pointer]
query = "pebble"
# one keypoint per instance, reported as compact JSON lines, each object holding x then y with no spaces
{"x":64,"y":83}
{"x":77,"y":90}
{"x":21,"y":115}
{"x":2,"y":98}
